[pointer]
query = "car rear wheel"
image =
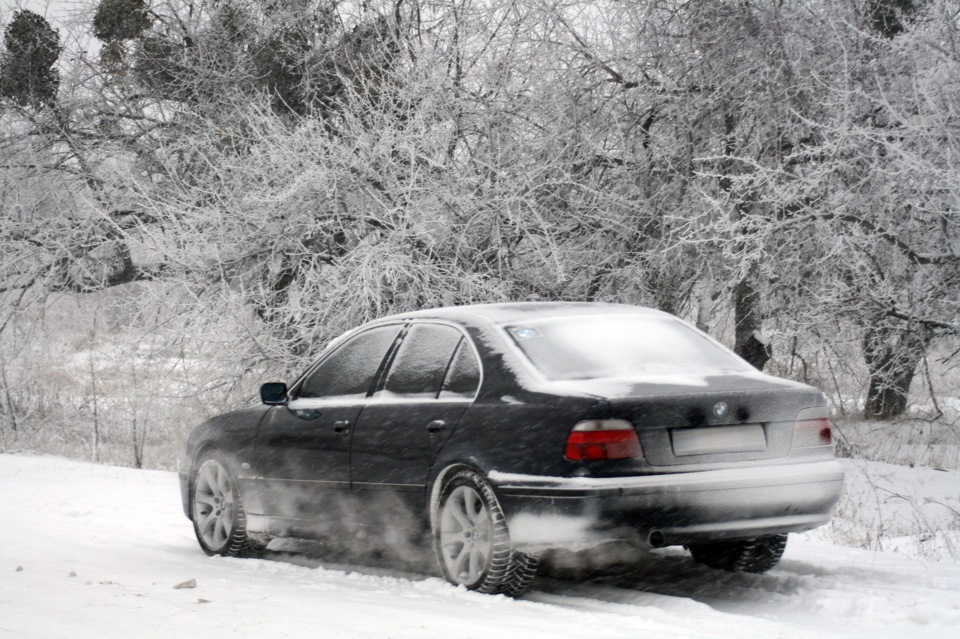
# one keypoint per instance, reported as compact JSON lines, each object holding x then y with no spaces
{"x":749,"y":555}
{"x":219,"y":519}
{"x":472,"y":541}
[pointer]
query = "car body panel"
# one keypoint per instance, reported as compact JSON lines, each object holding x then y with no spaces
{"x":302,"y":460}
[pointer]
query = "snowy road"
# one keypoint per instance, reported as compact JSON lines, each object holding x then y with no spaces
{"x":94,"y":551}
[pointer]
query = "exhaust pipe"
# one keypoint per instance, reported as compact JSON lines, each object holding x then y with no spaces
{"x":657,"y":539}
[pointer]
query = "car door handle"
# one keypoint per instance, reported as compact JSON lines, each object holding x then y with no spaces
{"x":341,"y":426}
{"x":436,"y":426}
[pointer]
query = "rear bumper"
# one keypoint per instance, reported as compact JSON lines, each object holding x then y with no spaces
{"x":668,"y":509}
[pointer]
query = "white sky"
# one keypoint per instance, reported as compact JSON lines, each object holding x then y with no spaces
{"x":55,"y":11}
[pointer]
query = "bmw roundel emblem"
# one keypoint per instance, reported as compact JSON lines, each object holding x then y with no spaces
{"x":720,"y":409}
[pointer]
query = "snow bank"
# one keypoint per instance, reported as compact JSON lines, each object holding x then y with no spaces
{"x":912,"y":511}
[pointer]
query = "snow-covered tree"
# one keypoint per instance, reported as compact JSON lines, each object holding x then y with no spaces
{"x":28,"y":74}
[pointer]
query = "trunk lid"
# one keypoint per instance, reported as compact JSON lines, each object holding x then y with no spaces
{"x":708,"y":420}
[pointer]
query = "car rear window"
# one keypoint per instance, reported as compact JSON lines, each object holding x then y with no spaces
{"x":595,"y":347}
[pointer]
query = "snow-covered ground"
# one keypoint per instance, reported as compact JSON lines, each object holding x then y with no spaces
{"x":96,"y":551}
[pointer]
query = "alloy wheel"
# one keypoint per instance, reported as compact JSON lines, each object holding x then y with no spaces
{"x":466,"y":540}
{"x":213,"y":505}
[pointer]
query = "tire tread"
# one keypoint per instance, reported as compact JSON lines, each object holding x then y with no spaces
{"x":749,"y":555}
{"x":239,"y":543}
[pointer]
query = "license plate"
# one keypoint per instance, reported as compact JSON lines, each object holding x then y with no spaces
{"x":745,"y":438}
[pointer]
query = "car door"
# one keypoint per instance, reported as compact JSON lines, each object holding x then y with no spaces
{"x":431,"y":381}
{"x":303,"y":448}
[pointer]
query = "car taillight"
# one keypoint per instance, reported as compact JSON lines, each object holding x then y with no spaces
{"x":603,"y":439}
{"x":812,"y":432}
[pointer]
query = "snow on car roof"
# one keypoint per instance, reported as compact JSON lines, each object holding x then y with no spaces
{"x":513,"y":311}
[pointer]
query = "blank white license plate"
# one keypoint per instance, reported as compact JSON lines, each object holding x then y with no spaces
{"x":745,"y":438}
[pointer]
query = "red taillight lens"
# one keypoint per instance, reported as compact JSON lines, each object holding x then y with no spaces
{"x":812,"y":432}
{"x":603,"y":439}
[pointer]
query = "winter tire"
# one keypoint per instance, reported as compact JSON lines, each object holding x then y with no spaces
{"x":749,"y":555}
{"x":219,"y":520}
{"x":472,"y":541}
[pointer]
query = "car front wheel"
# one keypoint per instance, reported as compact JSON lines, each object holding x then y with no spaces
{"x":472,"y":541}
{"x":749,"y":555}
{"x":219,"y":520}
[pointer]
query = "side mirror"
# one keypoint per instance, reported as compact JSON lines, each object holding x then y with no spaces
{"x":273,"y":393}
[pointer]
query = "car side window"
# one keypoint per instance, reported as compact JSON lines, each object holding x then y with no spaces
{"x":349,"y":371}
{"x":421,"y":362}
{"x":463,"y":376}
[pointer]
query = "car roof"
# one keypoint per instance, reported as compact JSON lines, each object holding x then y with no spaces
{"x":523,"y":311}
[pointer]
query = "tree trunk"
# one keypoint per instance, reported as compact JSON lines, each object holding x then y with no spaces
{"x":892,"y":355}
{"x":747,"y":324}
{"x":8,"y":405}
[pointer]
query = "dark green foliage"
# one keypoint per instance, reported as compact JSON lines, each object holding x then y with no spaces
{"x":888,"y":17}
{"x":159,"y":65}
{"x":206,"y":69}
{"x":28,"y":74}
{"x":118,"y":20}
{"x":304,"y":61}
{"x":237,"y":24}
{"x":280,"y":63}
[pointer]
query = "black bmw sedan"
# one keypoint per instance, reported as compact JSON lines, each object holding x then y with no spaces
{"x":500,"y":431}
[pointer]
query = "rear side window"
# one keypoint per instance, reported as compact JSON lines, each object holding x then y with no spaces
{"x":421,"y":362}
{"x":349,"y":371}
{"x":463,"y":377}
